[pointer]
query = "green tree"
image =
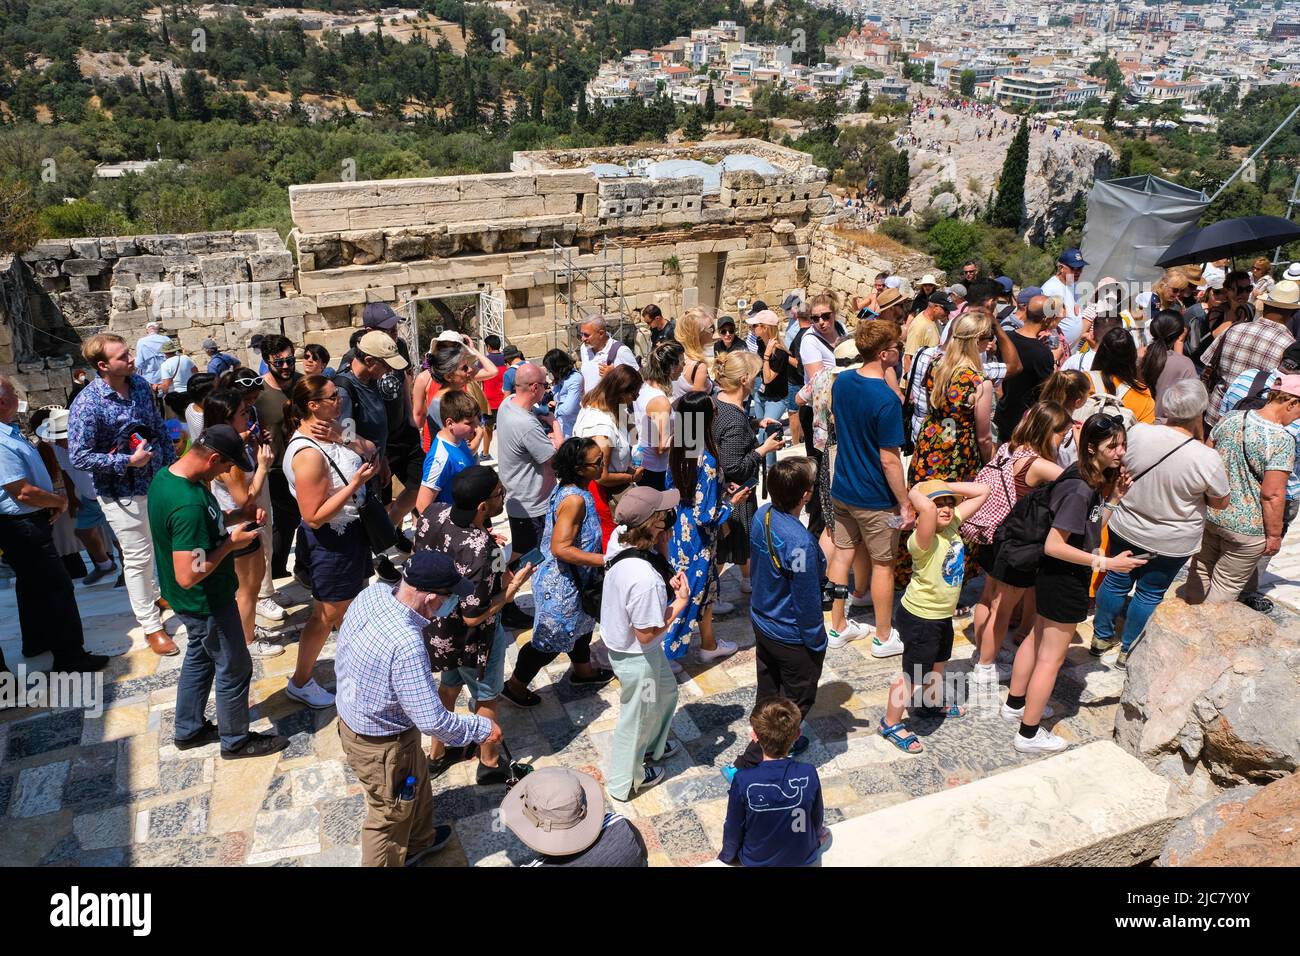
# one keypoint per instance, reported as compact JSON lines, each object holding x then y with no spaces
{"x":693,"y":129}
{"x":1125,"y":165}
{"x":1011,"y":184}
{"x":897,"y":177}
{"x":967,"y":82}
{"x":952,"y":242}
{"x":170,"y":96}
{"x":864,"y":99}
{"x":1112,"y":110}
{"x":710,"y":106}
{"x":196,"y":103}
{"x":583,"y":114}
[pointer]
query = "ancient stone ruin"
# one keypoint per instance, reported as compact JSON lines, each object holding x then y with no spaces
{"x":565,"y":234}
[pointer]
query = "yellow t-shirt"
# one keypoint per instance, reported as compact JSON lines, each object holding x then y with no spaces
{"x":922,"y":334}
{"x":936,"y":574}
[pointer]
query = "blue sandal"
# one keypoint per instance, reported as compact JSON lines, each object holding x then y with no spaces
{"x":952,"y":710}
{"x":898,"y":735}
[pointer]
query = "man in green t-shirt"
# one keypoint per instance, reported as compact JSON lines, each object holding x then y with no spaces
{"x":196,"y":572}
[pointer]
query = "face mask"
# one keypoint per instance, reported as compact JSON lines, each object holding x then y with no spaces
{"x":22,"y":406}
{"x":447,"y":606}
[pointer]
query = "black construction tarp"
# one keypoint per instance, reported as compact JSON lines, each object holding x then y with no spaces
{"x":1132,"y":221}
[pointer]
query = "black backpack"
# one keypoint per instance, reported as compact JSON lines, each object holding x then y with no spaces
{"x":1019,"y":539}
{"x":1254,"y":399}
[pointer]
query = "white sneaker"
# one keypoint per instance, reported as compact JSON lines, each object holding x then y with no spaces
{"x":311,"y":693}
{"x":985,"y":675}
{"x":890,"y":648}
{"x":1043,"y":742}
{"x":723,"y":608}
{"x":852,"y":631}
{"x":864,"y":601}
{"x":262,"y":648}
{"x":724,"y":649}
{"x":1016,"y":714}
{"x":268,"y":609}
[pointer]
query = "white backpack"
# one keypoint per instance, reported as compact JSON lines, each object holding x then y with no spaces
{"x":1101,"y":402}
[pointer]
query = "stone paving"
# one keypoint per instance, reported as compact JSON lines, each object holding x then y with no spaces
{"x":111,"y":789}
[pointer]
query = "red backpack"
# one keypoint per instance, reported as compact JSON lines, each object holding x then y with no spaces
{"x":999,"y":476}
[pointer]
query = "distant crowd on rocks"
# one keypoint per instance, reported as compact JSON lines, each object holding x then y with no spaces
{"x":1072,"y":444}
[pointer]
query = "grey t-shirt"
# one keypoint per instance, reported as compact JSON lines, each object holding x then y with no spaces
{"x":524,"y":453}
{"x":368,"y":412}
{"x":1164,"y":511}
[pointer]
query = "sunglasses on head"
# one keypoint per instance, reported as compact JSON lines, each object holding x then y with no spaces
{"x":1108,"y":423}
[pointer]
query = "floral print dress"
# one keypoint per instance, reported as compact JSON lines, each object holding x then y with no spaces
{"x":558,"y":618}
{"x":946,"y":448}
{"x":692,"y":549}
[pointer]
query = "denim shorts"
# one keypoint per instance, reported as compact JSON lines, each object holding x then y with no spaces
{"x":89,"y":514}
{"x":790,"y":403}
{"x":489,"y":688}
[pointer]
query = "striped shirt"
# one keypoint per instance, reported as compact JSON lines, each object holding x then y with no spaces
{"x":385,"y":684}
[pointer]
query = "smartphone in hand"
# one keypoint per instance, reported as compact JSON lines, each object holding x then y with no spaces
{"x":533,"y":557}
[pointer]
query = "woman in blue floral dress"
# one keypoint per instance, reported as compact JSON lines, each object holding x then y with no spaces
{"x":703,"y":511}
{"x":571,"y":556}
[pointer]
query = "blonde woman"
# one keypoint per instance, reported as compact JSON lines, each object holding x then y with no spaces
{"x":957,"y":436}
{"x":654,"y":411}
{"x":695,"y":331}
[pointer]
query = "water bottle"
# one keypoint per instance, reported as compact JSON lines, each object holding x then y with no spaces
{"x":408,"y":789}
{"x":638,"y":456}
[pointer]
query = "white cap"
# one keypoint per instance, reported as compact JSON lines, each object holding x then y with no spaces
{"x":893,"y":282}
{"x":450,"y":335}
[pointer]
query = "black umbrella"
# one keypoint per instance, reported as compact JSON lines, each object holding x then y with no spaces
{"x":1230,"y":238}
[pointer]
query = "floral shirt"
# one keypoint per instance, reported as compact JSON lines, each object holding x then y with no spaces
{"x":100,"y":425}
{"x":477,"y":557}
{"x":818,"y":393}
{"x":1250,"y":446}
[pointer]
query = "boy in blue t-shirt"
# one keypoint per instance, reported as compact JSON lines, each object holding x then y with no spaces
{"x":786,"y":605}
{"x":450,"y":453}
{"x":774,"y":810}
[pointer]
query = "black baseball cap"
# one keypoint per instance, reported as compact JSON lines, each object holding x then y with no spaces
{"x":433,"y":572}
{"x":379,"y":315}
{"x":758,"y":306}
{"x":225,"y":441}
{"x":941,"y":298}
{"x":469,"y":489}
{"x":1290,"y":358}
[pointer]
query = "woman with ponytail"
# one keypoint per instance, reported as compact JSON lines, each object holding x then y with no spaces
{"x":1164,"y":362}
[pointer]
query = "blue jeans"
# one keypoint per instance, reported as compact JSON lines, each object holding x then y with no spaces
{"x":216,"y":650}
{"x":1152,"y":580}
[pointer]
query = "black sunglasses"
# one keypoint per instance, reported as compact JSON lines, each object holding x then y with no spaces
{"x":1107,"y":424}
{"x":282,"y":361}
{"x":819,"y":316}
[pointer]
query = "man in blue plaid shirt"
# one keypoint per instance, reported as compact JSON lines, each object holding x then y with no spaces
{"x":387,"y":697}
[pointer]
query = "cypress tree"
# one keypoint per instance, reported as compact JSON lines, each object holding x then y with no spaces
{"x":710,"y":106}
{"x":166,"y":37}
{"x":170,"y":96}
{"x":694,"y":129}
{"x":864,"y":98}
{"x":1112,"y":110}
{"x":196,"y":104}
{"x":582,"y":108}
{"x":144,"y":88}
{"x":1011,"y":184}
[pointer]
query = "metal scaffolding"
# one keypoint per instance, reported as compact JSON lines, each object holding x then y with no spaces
{"x":588,"y":290}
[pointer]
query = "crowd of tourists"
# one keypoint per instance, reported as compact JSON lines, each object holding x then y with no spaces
{"x":1073,"y":448}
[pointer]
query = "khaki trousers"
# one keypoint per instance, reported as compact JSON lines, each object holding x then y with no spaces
{"x":1224,"y":567}
{"x":392,"y":825}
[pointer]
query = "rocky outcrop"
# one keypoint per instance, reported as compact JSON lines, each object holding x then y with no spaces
{"x":955,"y":179}
{"x":1212,"y":698}
{"x":847,"y":260}
{"x":1195,"y":830}
{"x":1265,"y":831}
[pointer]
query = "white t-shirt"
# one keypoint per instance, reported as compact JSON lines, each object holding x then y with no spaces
{"x":1164,"y":511}
{"x":81,"y":480}
{"x":634,"y":595}
{"x":647,"y":431}
{"x":1071,"y":324}
{"x":1079,"y":361}
{"x":813,"y":350}
{"x":592,"y":423}
{"x":592,"y":361}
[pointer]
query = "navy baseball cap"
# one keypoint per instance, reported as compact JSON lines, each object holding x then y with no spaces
{"x":379,"y":315}
{"x":758,"y":306}
{"x":1072,"y":258}
{"x":434,"y":573}
{"x":1006,"y":283}
{"x":1028,"y":293}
